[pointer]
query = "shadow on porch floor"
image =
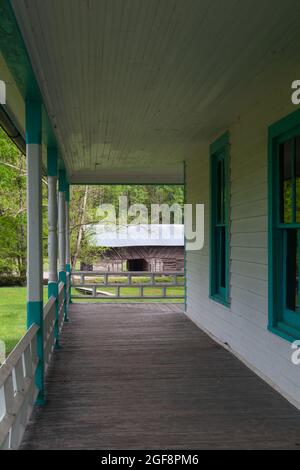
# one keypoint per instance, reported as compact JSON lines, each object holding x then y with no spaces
{"x":142,"y":376}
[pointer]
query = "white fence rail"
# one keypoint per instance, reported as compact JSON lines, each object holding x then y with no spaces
{"x":49,"y":330}
{"x":94,"y":283}
{"x":17,"y":389}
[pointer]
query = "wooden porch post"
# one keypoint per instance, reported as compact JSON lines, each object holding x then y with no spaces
{"x":68,"y":254}
{"x":62,"y":233}
{"x":34,"y":234}
{"x":52,"y":232}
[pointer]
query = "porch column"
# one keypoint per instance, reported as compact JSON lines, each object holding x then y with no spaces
{"x":52,"y":232}
{"x":68,"y":255}
{"x":34,"y":233}
{"x":62,"y":233}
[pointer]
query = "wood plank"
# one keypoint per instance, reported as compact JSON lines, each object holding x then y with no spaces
{"x":142,"y":376}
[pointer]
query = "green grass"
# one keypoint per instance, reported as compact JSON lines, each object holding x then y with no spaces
{"x":13,"y":315}
{"x":13,"y":307}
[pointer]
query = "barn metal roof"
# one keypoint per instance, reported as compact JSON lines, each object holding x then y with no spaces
{"x":139,"y":235}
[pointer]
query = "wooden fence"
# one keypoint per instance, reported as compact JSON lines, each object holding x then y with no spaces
{"x":94,"y":284}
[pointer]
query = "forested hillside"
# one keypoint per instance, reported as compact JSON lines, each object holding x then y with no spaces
{"x":85,"y":202}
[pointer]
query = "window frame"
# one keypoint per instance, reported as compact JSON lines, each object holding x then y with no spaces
{"x":279,"y":132}
{"x":219,"y":150}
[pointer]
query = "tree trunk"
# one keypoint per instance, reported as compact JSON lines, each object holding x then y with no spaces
{"x":80,"y":229}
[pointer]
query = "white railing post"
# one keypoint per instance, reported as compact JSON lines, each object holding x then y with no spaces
{"x":62,"y":234}
{"x":34,"y":233}
{"x":52,"y":232}
{"x":68,"y":254}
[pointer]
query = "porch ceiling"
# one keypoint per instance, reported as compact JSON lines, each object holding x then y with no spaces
{"x":132,"y":86}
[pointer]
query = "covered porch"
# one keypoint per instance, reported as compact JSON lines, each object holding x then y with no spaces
{"x":143,"y":376}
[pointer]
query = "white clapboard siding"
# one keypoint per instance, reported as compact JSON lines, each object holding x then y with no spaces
{"x":243,"y":326}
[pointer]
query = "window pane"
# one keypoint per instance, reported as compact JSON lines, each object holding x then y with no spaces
{"x":221,"y":258}
{"x":220,"y":192}
{"x":291,"y":270}
{"x":297,"y":173}
{"x":286,"y":193}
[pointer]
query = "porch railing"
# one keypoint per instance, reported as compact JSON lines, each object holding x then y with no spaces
{"x":18,"y":391}
{"x":127,"y":285}
{"x":49,"y":333}
{"x":61,"y":305}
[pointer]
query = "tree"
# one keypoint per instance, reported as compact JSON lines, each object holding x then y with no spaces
{"x":12,"y":208}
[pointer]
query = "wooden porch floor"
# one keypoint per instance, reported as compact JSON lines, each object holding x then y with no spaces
{"x":142,"y":376}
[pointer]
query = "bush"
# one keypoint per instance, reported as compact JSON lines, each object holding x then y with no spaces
{"x":9,"y":280}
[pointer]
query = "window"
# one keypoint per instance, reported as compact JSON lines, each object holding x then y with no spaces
{"x":284,"y":226}
{"x":219,"y":234}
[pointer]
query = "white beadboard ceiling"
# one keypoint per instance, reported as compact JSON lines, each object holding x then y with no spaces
{"x":131,"y":86}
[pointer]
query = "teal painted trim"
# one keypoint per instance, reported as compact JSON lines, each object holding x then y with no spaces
{"x":53,"y":292}
{"x":185,"y":260}
{"x":62,"y":180}
{"x":52,"y":289}
{"x":220,"y":300}
{"x":15,"y":54}
{"x":278,"y":132}
{"x":219,"y":144}
{"x":219,"y":150}
{"x":286,"y":124}
{"x":35,"y":315}
{"x":52,"y":168}
{"x":62,"y":276}
{"x":33,"y":122}
{"x":290,"y":337}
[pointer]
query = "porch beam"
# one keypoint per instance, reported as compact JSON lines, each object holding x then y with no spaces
{"x":34,"y":233}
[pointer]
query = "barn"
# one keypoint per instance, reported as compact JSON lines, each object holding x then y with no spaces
{"x":152,"y":248}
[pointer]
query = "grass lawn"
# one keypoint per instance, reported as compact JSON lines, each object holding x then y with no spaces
{"x":13,"y":308}
{"x":12,"y":315}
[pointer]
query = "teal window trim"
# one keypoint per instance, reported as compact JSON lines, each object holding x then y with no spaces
{"x":219,"y":224}
{"x":279,"y":132}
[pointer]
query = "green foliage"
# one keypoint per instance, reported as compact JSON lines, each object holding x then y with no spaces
{"x":85,"y":202}
{"x":12,"y":208}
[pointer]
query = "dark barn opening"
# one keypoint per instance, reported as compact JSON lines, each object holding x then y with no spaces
{"x":137,"y":265}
